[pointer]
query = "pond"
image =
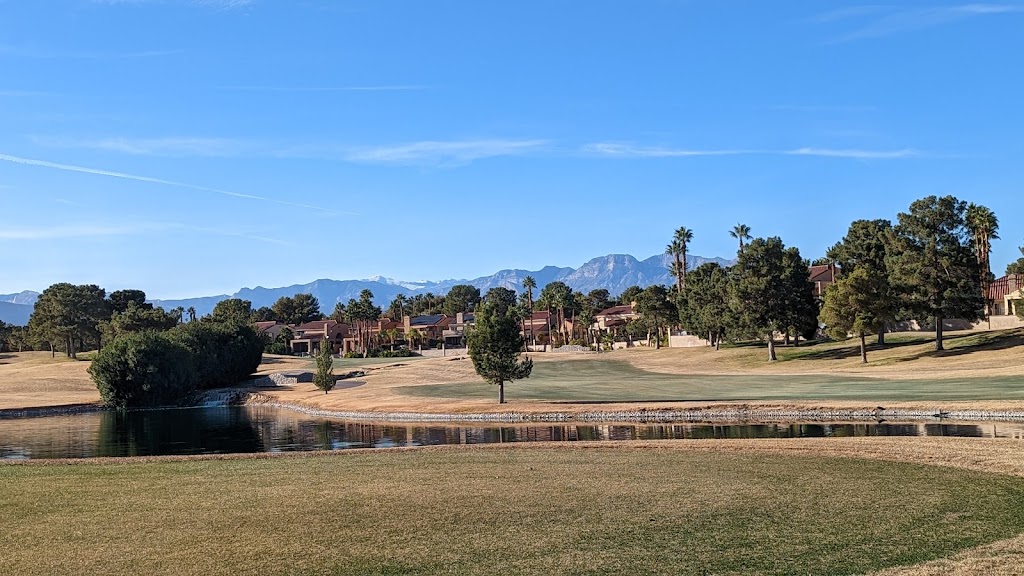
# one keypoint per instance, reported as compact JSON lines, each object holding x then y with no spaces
{"x":225,"y":430}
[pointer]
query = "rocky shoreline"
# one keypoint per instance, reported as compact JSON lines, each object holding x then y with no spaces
{"x":655,"y":416}
{"x":710,"y":415}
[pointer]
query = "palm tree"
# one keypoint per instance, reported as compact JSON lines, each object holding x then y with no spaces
{"x":412,"y":337}
{"x":529,"y":284}
{"x":683,"y":237}
{"x":983,"y":227}
{"x":401,"y":300}
{"x":742,"y":233}
{"x":675,"y":249}
{"x":191,"y":313}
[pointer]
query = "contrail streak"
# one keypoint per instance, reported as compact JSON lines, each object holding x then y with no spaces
{"x":137,"y":178}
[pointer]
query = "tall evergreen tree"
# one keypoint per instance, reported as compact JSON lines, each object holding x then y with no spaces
{"x":232,"y":310}
{"x":705,"y":308}
{"x":770,"y":290}
{"x":935,"y":264}
{"x":856,"y":303}
{"x":461,"y":298}
{"x":69,"y":315}
{"x":297,"y":309}
{"x":657,"y":310}
{"x":868,"y":244}
{"x":324,"y":378}
{"x":120,"y":299}
{"x":494,"y":346}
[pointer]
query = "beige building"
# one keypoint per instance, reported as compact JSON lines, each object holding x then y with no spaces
{"x":1005,"y":295}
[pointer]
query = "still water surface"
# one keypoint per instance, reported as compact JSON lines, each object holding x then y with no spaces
{"x":226,"y":430}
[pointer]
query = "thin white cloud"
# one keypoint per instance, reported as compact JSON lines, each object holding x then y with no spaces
{"x":434,"y":152}
{"x":630,"y":151}
{"x":617,"y":150}
{"x":442,"y":152}
{"x":151,"y":180}
{"x":174,"y":146}
{"x":856,"y":154}
{"x":380,"y":88}
{"x":877,"y":20}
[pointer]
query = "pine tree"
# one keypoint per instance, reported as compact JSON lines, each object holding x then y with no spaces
{"x":324,"y":378}
{"x":495,"y":345}
{"x":935,"y":264}
{"x":858,"y":303}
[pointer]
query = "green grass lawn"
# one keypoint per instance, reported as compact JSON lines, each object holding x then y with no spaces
{"x":614,"y":510}
{"x":604,"y":380}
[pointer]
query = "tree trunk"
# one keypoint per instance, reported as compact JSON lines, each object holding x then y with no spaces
{"x":718,"y":341}
{"x":881,"y":336}
{"x":863,"y":349}
{"x":684,"y":267}
{"x":771,"y":348}
{"x":938,"y":334}
{"x":657,"y":336}
{"x":501,"y":393}
{"x":785,"y":341}
{"x":53,"y":352}
{"x":522,"y":323}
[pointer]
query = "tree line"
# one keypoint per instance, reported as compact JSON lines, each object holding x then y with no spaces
{"x":929,"y":266}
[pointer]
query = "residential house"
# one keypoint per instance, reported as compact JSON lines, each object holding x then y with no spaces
{"x":822,"y":277}
{"x":539,"y":325}
{"x":455,"y":335}
{"x":272,"y":329}
{"x":1005,"y":295}
{"x":431,"y":328}
{"x":311,"y":335}
{"x":614,"y":317}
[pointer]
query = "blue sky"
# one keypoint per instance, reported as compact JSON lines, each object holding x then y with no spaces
{"x":192,"y":147}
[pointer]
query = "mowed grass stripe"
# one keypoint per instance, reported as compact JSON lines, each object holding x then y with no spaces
{"x":606,"y":380}
{"x":513,"y":510}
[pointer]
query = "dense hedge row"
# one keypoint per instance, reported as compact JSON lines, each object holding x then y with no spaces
{"x":164,"y":368}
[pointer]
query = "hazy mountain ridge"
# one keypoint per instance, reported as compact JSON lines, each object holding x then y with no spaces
{"x":614,"y":272}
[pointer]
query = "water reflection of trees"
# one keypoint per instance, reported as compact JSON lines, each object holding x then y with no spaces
{"x":255,"y":429}
{"x":188,"y":431}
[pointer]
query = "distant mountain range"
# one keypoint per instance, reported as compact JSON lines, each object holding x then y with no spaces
{"x":614,"y":272}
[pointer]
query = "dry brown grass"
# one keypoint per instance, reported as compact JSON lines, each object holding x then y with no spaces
{"x":34,"y":379}
{"x":724,"y":507}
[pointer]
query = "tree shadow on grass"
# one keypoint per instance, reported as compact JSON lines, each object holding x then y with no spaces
{"x":970,"y":343}
{"x":847,"y":352}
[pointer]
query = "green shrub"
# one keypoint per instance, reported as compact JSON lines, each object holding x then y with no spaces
{"x":143,"y":369}
{"x":224,"y":353}
{"x":279,"y":348}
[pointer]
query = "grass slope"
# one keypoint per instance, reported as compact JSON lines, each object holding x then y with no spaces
{"x":538,"y":510}
{"x":603,"y":380}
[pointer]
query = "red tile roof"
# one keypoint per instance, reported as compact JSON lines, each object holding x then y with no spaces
{"x":616,"y":311}
{"x":317,"y":325}
{"x":1005,"y":286}
{"x":263,"y":326}
{"x":824,"y":273}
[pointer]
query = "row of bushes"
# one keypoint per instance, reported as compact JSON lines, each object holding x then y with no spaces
{"x":163,"y":368}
